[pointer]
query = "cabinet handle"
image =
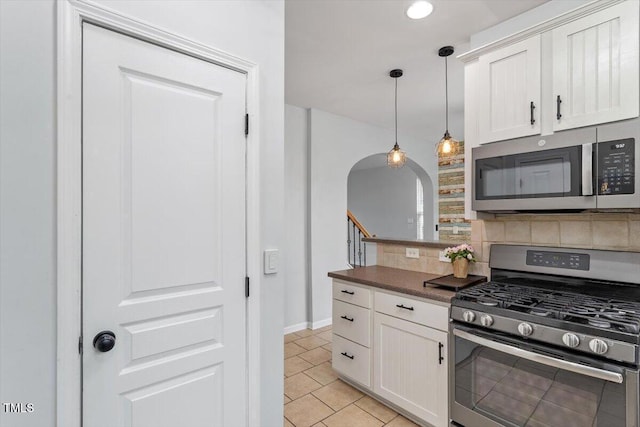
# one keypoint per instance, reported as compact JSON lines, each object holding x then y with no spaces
{"x":403,"y":306}
{"x":345,"y":354}
{"x":558,"y":102}
{"x":440,"y":358}
{"x":531,"y":108}
{"x":347,"y":292}
{"x":350,"y":319}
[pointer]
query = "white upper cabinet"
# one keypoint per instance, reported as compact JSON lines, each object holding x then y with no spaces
{"x":595,"y":68}
{"x":509,"y":94}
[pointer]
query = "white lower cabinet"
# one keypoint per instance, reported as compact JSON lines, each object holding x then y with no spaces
{"x":393,"y":346}
{"x":351,"y":346}
{"x":410,"y":367}
{"x":351,"y":360}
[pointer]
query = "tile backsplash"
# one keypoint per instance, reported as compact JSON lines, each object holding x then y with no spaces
{"x":613,"y":231}
{"x":391,"y":255}
{"x":617,"y":231}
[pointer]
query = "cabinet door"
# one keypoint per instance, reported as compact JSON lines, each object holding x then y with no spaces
{"x":595,"y":68}
{"x":408,"y":369}
{"x":509,"y":101}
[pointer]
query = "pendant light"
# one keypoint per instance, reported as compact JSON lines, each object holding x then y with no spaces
{"x":396,"y":158}
{"x":447,"y":146}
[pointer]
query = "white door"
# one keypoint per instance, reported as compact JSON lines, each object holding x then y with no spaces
{"x":510,"y":91}
{"x":595,"y":68}
{"x":163,"y":236}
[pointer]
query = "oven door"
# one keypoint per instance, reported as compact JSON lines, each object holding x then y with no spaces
{"x":503,"y":381}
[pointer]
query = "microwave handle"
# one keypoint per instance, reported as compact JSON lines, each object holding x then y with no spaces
{"x":587,"y":169}
{"x":541,"y":358}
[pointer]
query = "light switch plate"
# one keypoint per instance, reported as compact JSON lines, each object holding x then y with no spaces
{"x":270,"y":261}
{"x":412,"y":252}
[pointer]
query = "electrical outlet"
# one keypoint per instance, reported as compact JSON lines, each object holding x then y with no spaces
{"x":412,"y":253}
{"x":443,"y":258}
{"x":456,"y":230}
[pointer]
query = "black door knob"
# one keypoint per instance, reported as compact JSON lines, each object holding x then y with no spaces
{"x":104,"y":341}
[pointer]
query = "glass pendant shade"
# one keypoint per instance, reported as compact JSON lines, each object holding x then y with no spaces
{"x":396,"y":158}
{"x":447,"y":146}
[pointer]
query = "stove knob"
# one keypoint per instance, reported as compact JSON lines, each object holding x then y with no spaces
{"x":571,"y":340}
{"x":525,"y":329}
{"x":486,"y":320}
{"x":469,"y":316}
{"x":598,"y":346}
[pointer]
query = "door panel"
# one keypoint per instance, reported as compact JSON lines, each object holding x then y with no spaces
{"x":510,"y":84}
{"x":407,"y":367}
{"x":163,"y":236}
{"x":595,"y":67}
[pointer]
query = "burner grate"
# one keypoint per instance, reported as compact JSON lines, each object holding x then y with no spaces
{"x":602,"y":313}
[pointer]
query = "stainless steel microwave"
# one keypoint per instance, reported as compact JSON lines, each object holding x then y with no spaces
{"x":588,"y":168}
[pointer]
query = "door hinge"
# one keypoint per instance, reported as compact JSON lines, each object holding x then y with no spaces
{"x":80,"y":344}
{"x":246,"y":124}
{"x":246,"y":287}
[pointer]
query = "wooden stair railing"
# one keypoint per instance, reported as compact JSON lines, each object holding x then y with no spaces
{"x":356,"y":253}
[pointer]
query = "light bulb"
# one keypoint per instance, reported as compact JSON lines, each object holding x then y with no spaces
{"x":396,"y":156}
{"x":446,"y":146}
{"x":419,"y":9}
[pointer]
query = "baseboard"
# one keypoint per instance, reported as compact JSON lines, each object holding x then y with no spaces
{"x":321,"y":323}
{"x":296,"y":328}
{"x":307,"y":325}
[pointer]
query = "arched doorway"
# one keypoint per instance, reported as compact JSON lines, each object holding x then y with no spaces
{"x":396,"y":203}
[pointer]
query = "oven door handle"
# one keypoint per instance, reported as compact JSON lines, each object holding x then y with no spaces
{"x":602,"y":374}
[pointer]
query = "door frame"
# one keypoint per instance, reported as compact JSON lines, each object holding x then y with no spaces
{"x":71,"y":14}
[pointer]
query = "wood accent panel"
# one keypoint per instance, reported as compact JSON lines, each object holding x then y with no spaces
{"x":451,"y":198}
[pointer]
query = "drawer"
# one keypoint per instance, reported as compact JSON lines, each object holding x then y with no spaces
{"x":347,"y":292}
{"x":424,"y":313}
{"x":351,"y":360}
{"x":352,"y":322}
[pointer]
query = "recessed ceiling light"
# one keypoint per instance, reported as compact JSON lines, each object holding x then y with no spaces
{"x":419,"y":9}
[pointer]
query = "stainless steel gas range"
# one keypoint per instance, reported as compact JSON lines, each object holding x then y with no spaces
{"x":551,"y":340}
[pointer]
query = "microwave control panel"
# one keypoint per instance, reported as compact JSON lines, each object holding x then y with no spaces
{"x":616,"y":167}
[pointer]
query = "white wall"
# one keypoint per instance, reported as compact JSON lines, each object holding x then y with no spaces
{"x":27,"y":211}
{"x":383,"y":200}
{"x":295,"y":251}
{"x":336,"y":144}
{"x":248,"y":29}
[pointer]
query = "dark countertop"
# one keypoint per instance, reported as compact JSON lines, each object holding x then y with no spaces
{"x":439,"y":244}
{"x":395,"y":279}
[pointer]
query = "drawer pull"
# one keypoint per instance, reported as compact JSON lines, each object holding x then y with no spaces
{"x":350,"y":319}
{"x":347,"y":292}
{"x":405,"y":307}
{"x":440,"y":358}
{"x":345,"y":354}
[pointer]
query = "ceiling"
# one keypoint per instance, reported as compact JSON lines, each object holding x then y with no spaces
{"x":338,"y":54}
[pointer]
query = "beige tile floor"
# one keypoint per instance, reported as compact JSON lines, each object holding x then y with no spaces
{"x":313,"y":394}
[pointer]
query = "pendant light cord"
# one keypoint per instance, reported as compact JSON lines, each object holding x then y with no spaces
{"x":446,"y":92}
{"x":396,"y":110}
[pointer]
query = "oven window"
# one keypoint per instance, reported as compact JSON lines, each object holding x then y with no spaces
{"x":518,"y":392}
